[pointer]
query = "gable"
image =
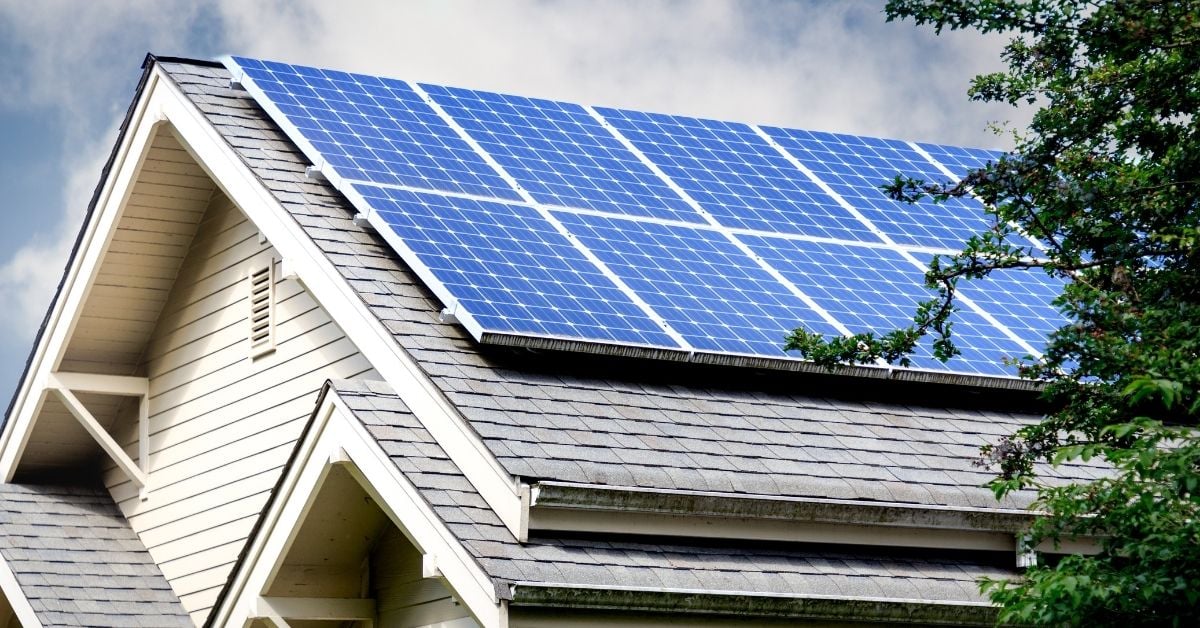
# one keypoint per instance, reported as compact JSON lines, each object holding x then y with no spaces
{"x":144,"y":377}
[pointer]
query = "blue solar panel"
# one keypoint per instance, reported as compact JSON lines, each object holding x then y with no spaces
{"x":714,"y":295}
{"x":876,"y":290}
{"x":1021,"y":300}
{"x":737,"y":176}
{"x":960,"y":160}
{"x":561,"y":155}
{"x":374,"y":129}
{"x":855,"y":167}
{"x":511,"y":270}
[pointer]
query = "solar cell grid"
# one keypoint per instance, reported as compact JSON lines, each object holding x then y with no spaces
{"x":710,"y":292}
{"x":736,"y":176}
{"x":561,"y":155}
{"x":510,"y":269}
{"x":855,"y":167}
{"x":1021,"y":300}
{"x":376,"y":130}
{"x":876,"y":290}
{"x":960,"y":160}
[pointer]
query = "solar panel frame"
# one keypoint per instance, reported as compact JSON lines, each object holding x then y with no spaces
{"x":753,"y":187}
{"x":1023,"y":306}
{"x":831,"y":158}
{"x":467,"y":245}
{"x":657,"y":260}
{"x":838,"y":276}
{"x":504,"y":182}
{"x":333,"y":111}
{"x":560,"y":155}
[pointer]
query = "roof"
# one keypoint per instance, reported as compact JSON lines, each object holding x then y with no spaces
{"x":565,"y":563}
{"x":551,"y":416}
{"x":78,"y":562}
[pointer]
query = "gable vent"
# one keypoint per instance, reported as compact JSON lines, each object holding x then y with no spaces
{"x":262,"y":309}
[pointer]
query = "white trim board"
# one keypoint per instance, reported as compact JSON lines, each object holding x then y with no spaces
{"x":163,"y":101}
{"x":80,"y":275}
{"x":336,"y":437}
{"x":11,"y":590}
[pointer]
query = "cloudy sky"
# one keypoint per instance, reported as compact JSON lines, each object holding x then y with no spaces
{"x":68,"y":71}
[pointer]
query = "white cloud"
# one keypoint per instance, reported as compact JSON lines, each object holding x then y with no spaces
{"x":75,"y":64}
{"x":28,"y":278}
{"x":832,"y":66}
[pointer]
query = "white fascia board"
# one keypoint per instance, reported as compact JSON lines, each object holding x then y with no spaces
{"x":338,"y":438}
{"x":81,"y":274}
{"x":589,"y":499}
{"x":101,"y":384}
{"x":12,"y":592}
{"x":319,"y":276}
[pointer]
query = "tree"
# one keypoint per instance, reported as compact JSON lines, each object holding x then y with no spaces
{"x":1107,"y":177}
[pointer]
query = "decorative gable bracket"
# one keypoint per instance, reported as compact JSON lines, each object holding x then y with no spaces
{"x":65,"y":385}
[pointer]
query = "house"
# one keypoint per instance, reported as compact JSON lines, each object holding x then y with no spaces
{"x":252,"y":404}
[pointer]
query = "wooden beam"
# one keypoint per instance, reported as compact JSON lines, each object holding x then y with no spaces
{"x":103,"y":384}
{"x":429,"y":567}
{"x":144,"y":441}
{"x":101,"y":435}
{"x":317,"y":608}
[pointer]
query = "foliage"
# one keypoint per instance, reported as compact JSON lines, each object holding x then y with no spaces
{"x":1107,"y":178}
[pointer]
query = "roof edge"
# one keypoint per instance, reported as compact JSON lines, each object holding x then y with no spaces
{"x":784,"y":364}
{"x":734,"y":603}
{"x":152,"y":59}
{"x":600,"y":498}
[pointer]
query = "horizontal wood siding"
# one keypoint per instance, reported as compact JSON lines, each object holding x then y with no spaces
{"x":221,"y":424}
{"x":152,"y":238}
{"x":402,"y":597}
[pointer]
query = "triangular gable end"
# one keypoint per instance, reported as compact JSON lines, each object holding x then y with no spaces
{"x":160,"y":111}
{"x":342,"y":488}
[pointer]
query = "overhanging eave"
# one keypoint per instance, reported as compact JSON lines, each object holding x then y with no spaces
{"x":731,"y":603}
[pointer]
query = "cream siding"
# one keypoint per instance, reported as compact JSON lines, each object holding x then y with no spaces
{"x":222,"y":425}
{"x":402,"y":596}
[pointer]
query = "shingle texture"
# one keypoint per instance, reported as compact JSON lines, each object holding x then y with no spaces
{"x":604,"y":563}
{"x":554,"y":418}
{"x":78,"y":562}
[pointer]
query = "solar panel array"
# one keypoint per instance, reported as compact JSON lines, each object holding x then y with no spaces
{"x":597,"y":227}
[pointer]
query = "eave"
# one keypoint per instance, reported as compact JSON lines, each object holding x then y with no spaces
{"x":552,"y":496}
{"x":566,"y":507}
{"x":742,"y":605}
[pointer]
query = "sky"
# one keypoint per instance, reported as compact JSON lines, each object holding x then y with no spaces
{"x":68,"y":70}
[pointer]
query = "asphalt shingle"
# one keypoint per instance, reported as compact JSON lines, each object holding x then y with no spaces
{"x":78,"y":562}
{"x":786,"y":570}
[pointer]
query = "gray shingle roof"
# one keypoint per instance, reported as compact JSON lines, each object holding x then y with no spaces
{"x":791,"y":570}
{"x":78,"y":562}
{"x":548,"y":417}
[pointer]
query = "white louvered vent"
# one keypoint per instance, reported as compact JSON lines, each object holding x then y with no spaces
{"x":262,"y":309}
